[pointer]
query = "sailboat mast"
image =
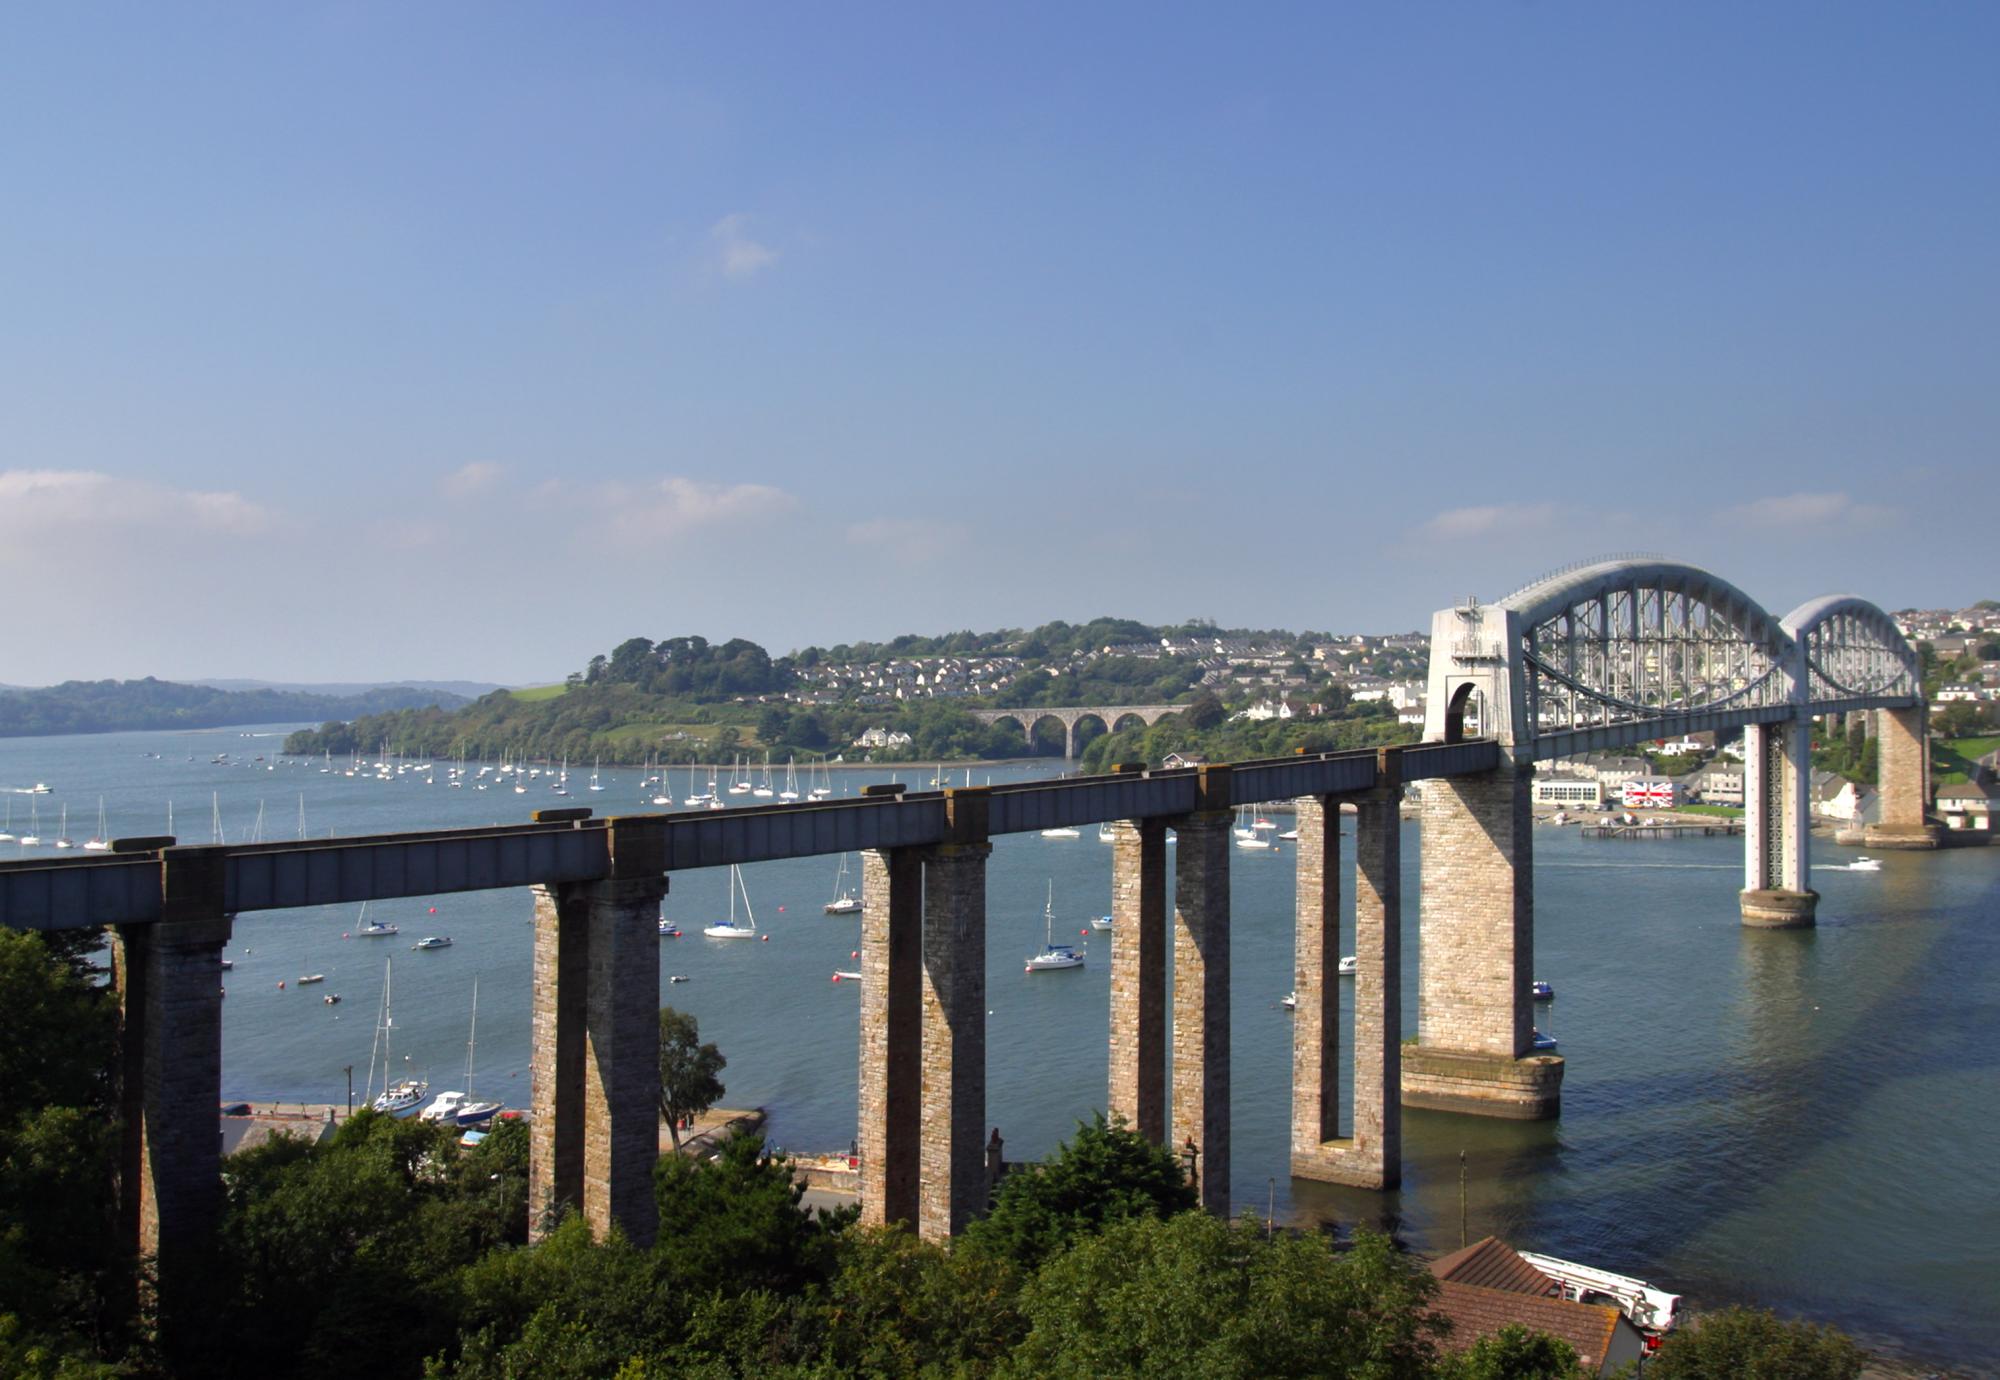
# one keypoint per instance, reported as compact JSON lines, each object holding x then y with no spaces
{"x":472,"y":1037}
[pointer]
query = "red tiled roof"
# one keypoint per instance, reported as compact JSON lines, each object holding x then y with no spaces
{"x":1477,"y":1312}
{"x":1492,"y":1264}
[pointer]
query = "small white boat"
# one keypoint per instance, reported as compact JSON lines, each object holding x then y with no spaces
{"x":331,"y":999}
{"x":1104,"y":834}
{"x":677,"y":977}
{"x":433,"y":941}
{"x":1865,"y":864}
{"x":669,"y":930}
{"x":406,"y":1099}
{"x":1541,"y":991}
{"x":730,"y":929}
{"x":1100,"y":922}
{"x":99,"y":842}
{"x":1290,"y":1001}
{"x":846,"y":975}
{"x":1290,"y":834}
{"x":1349,"y":964}
{"x":1064,"y":832}
{"x":1539,"y":1041}
{"x":1053,"y":955}
{"x":308,"y":979}
{"x":844,"y":901}
{"x":227,"y":964}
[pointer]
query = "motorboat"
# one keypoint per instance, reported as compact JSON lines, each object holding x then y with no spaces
{"x":308,"y":979}
{"x":227,"y":964}
{"x":1063,"y":832}
{"x":677,"y":977}
{"x":1290,"y":1001}
{"x":1541,"y":991}
{"x":846,"y":975}
{"x":443,"y":1107}
{"x":669,"y":930}
{"x":1100,"y":922}
{"x":1104,"y":834}
{"x":1537,"y":1040}
{"x":1865,"y":864}
{"x":331,"y":999}
{"x":404,"y":1100}
{"x":1350,"y":964}
{"x":1053,"y":955}
{"x":433,"y":941}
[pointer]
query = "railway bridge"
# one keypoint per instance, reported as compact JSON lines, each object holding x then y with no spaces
{"x":1612,"y":653}
{"x":1069,"y":716}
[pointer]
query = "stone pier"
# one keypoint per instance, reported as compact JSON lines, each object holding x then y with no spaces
{"x":891,"y":1033}
{"x":952,"y":1187}
{"x":1777,"y":826}
{"x":595,"y":1080}
{"x":1477,"y":925}
{"x":169,"y":982}
{"x":1371,"y":1156}
{"x":1201,"y":990}
{"x":1138,"y":1089}
{"x":1904,"y":770}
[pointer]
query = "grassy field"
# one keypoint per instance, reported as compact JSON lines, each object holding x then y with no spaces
{"x":1723,"y":811}
{"x":539,"y":692}
{"x":1952,"y":758}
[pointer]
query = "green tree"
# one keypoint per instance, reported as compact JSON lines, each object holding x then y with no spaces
{"x":902,"y":1307}
{"x":734,"y":1221}
{"x":1106,"y":1172}
{"x":689,"y":1069}
{"x":1513,"y":1353}
{"x":1734,"y":1343}
{"x":1205,"y":711}
{"x":1189,"y":1295}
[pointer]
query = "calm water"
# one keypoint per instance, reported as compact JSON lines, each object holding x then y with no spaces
{"x":1797,"y":1119}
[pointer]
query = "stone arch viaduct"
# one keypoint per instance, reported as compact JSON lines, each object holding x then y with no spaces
{"x":1608,"y":653}
{"x":1069,"y":716}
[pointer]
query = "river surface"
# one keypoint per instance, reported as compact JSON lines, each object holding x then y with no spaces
{"x":1798,"y":1119}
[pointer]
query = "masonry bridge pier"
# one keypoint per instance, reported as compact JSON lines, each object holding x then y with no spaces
{"x":1613,"y":654}
{"x":1609,"y":654}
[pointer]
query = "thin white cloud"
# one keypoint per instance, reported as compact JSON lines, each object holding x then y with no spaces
{"x":677,"y":505}
{"x":471,"y":479}
{"x":1806,"y":511}
{"x":72,"y":509}
{"x":1462,"y":523}
{"x":738,"y":255}
{"x":913,"y":541}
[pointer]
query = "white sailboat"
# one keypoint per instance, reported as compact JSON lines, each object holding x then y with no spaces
{"x":62,"y":831}
{"x":595,"y":784}
{"x":1053,"y":955}
{"x":730,"y":929}
{"x":763,"y":789}
{"x":404,"y":1098}
{"x":33,"y":838}
{"x":1247,"y":834}
{"x":99,"y":842}
{"x":844,"y":901}
{"x":7,"y":830}
{"x":738,"y":784}
{"x":791,"y":791}
{"x":459,"y":1106}
{"x":825,"y":786}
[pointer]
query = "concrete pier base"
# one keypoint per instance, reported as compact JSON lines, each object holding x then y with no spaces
{"x":1773,"y":908}
{"x":1497,"y":1085}
{"x":1201,"y":999}
{"x":891,"y":1084}
{"x":1919,"y":837}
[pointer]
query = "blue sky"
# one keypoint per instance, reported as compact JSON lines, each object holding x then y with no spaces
{"x":355,"y":341}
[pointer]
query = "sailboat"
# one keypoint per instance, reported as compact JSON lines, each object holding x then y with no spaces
{"x":763,"y":789}
{"x":99,"y":842}
{"x":406,"y":1097}
{"x":738,"y":785}
{"x":1247,"y":835}
{"x":791,"y":791}
{"x":595,"y":785}
{"x":729,"y":929}
{"x":62,"y":830}
{"x":373,"y":929}
{"x":665,"y":794}
{"x":33,"y":838}
{"x":459,"y":1107}
{"x":1053,"y":955}
{"x":844,"y":901}
{"x":825,"y":788}
{"x":7,"y":830}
